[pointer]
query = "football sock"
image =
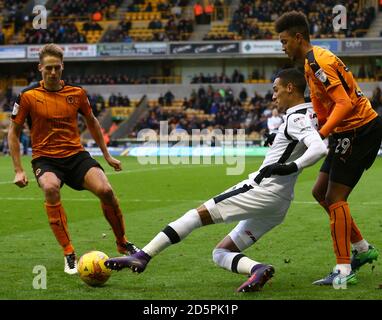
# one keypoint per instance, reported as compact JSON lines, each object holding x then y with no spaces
{"x":58,"y":223}
{"x":340,"y":225}
{"x":361,"y":246}
{"x":174,"y":232}
{"x":233,"y":261}
{"x":184,"y":225}
{"x":160,"y":242}
{"x":114,"y":216}
{"x":356,"y":235}
{"x":345,"y":269}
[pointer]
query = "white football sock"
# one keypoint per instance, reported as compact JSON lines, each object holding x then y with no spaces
{"x":245,"y":265}
{"x":158,"y":244}
{"x":345,"y":269}
{"x":185,"y":224}
{"x":361,"y":246}
{"x":224,"y":258}
{"x":180,"y":228}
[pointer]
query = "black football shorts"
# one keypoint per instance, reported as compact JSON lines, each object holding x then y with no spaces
{"x":70,"y":170}
{"x":352,"y":152}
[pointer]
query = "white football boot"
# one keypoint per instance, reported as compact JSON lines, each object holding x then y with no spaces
{"x":70,"y":264}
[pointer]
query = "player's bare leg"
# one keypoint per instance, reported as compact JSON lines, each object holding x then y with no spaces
{"x":50,"y":185}
{"x":320,"y":188}
{"x":173,"y":233}
{"x":96,"y":181}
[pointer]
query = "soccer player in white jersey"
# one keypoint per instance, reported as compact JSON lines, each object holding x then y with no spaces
{"x":260,"y":202}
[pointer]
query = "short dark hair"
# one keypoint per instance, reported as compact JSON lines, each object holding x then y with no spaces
{"x":293,"y":76}
{"x":293,"y":22}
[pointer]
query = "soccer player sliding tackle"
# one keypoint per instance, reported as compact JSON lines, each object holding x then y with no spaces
{"x":260,"y":202}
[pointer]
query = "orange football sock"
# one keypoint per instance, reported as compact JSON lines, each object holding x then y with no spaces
{"x":341,"y":226}
{"x":114,"y":216}
{"x":355,"y":235}
{"x":59,"y":226}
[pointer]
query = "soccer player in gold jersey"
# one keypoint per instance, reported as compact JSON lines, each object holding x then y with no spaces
{"x":356,"y":130}
{"x":51,"y":109}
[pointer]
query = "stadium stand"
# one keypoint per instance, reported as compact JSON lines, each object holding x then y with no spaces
{"x":209,"y":108}
{"x":153,"y":20}
{"x":159,"y":20}
{"x":253,"y":19}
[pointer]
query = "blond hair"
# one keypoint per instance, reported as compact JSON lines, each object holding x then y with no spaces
{"x":51,"y":49}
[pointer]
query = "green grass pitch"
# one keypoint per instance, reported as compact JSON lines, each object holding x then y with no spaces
{"x":152,"y":196}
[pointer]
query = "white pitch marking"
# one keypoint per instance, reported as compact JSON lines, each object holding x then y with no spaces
{"x":112,"y":173}
{"x":161,"y":200}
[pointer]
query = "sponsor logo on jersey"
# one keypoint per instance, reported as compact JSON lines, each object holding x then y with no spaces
{"x":321,"y":75}
{"x":16,"y":108}
{"x":70,"y":99}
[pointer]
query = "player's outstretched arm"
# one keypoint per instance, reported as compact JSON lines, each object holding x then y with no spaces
{"x":21,"y":179}
{"x":95,"y":130}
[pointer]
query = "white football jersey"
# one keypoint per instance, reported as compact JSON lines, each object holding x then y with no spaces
{"x":299,"y":122}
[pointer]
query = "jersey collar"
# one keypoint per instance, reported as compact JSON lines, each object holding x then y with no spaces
{"x":298,"y":107}
{"x":62,"y":82}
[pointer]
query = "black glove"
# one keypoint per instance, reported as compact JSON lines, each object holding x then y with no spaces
{"x":276,"y":169}
{"x":269,"y":138}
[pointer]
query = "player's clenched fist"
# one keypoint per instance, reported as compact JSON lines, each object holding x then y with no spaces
{"x":116,"y":164}
{"x":21,"y":179}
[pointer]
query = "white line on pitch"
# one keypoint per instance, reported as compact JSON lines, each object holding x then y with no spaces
{"x":160,"y":200}
{"x":112,"y":173}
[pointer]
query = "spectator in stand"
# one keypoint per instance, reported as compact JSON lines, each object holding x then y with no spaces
{"x":176,"y":11}
{"x":225,"y":109}
{"x":245,"y":19}
{"x":161,"y":100}
{"x":60,"y":32}
{"x":97,"y":16}
{"x":168,"y":98}
{"x":91,"y":26}
{"x":185,"y":104}
{"x":198,"y":12}
{"x":155,"y":24}
{"x":243,"y":95}
{"x":208,"y":12}
{"x":237,"y":77}
{"x":255,"y":74}
{"x":274,"y":122}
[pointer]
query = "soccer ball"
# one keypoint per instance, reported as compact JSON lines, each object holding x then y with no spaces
{"x":92,"y":270}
